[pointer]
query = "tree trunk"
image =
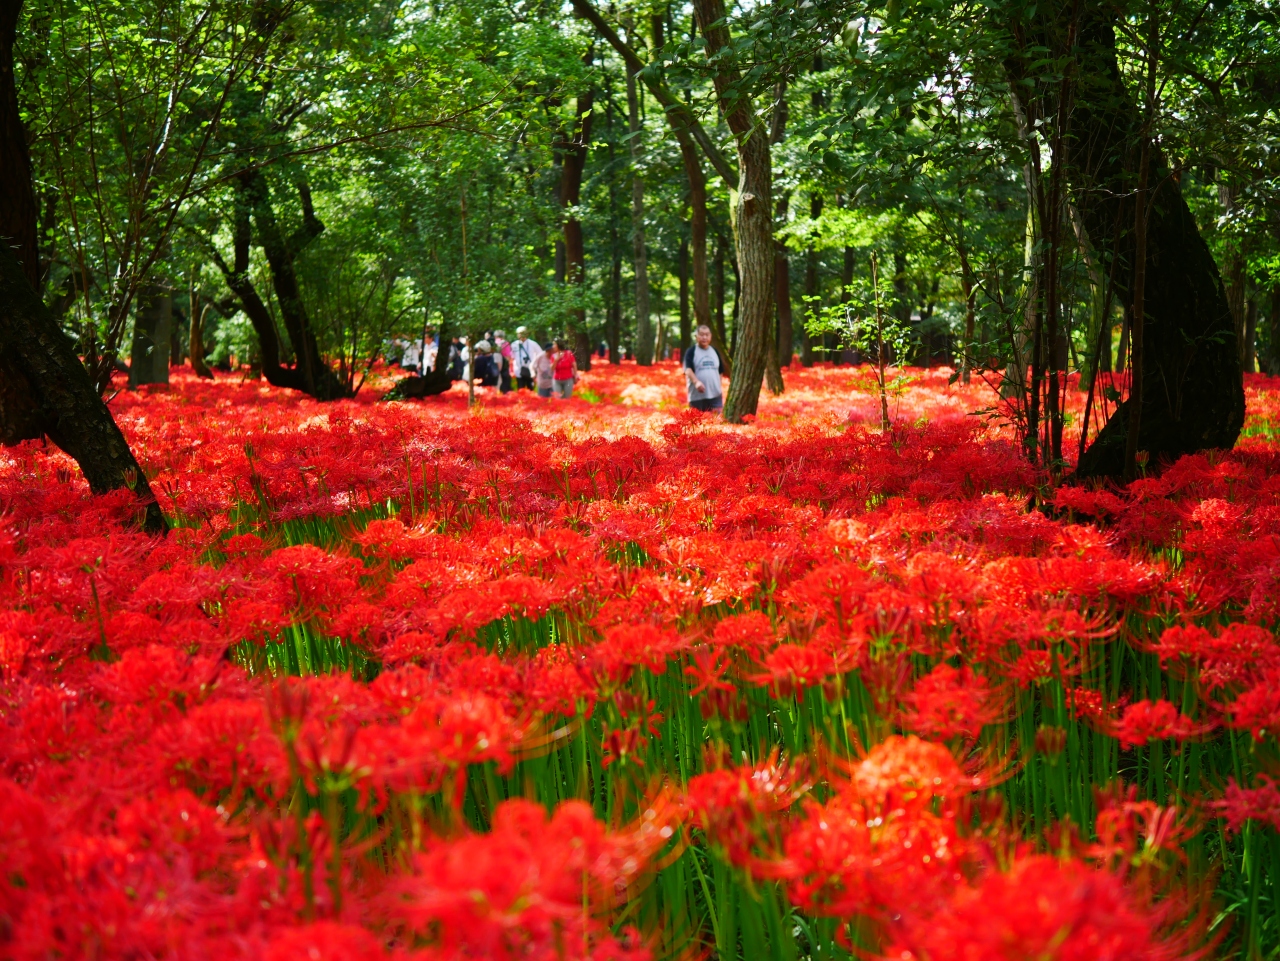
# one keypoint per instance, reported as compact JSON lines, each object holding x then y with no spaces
{"x":19,"y":412}
{"x":698,"y":238}
{"x":811,"y":287}
{"x":718,"y":329}
{"x":575,"y":148}
{"x":781,"y":264}
{"x":640,"y":258}
{"x":1190,"y":357}
{"x":754,"y":221}
{"x":239,"y":283}
{"x":615,"y":292}
{"x":69,"y":410}
{"x":1273,"y":366}
{"x":196,"y":339}
{"x":782,"y":294}
{"x":1250,"y":336}
{"x":44,"y":388}
{"x":686,"y":327}
{"x":152,"y":328}
{"x":318,"y":379}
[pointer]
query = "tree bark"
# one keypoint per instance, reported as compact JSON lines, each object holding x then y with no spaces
{"x":318,"y":379}
{"x":754,"y":222}
{"x":196,"y":340}
{"x":640,"y":258}
{"x":781,"y":262}
{"x":20,"y":416}
{"x":44,"y":388}
{"x":782,"y":293}
{"x":811,"y":288}
{"x":239,"y":283}
{"x":1191,"y":361}
{"x":575,"y":146}
{"x":152,"y":327}
{"x":71,"y":412}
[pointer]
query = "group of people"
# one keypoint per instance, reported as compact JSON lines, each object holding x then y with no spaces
{"x":520,"y":364}
{"x":551,"y":371}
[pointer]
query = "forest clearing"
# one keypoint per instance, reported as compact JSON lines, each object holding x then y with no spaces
{"x":549,"y":480}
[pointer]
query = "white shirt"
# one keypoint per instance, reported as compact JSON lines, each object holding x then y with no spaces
{"x":705,"y":363}
{"x":523,"y":354}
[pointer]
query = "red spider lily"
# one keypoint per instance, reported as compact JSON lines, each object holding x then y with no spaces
{"x":949,"y":702}
{"x":1152,"y":720}
{"x":1239,"y":804}
{"x":531,"y":888}
{"x":1044,"y":908}
{"x":740,"y":809}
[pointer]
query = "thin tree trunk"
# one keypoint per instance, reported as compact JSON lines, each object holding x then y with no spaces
{"x":195,"y":333}
{"x":811,"y":286}
{"x":615,"y":292}
{"x":640,"y":258}
{"x":574,"y":163}
{"x":686,"y":328}
{"x":754,"y":221}
{"x":197,"y":341}
{"x":782,"y":294}
{"x":781,"y":263}
{"x":1273,"y":365}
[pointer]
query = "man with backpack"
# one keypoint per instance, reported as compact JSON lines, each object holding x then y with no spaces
{"x":703,"y":368}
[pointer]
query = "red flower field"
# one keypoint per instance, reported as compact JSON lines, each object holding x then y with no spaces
{"x":605,"y":678}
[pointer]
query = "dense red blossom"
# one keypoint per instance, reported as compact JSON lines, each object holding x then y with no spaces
{"x":599,"y":589}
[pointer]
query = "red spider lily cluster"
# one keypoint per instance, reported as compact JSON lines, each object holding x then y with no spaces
{"x":605,"y":678}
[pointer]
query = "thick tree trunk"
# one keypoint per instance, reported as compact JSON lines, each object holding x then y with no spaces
{"x":152,"y":329}
{"x":70,"y":411}
{"x":1191,"y":360}
{"x":575,"y":148}
{"x":44,"y":388}
{"x":754,"y":222}
{"x":640,"y":256}
{"x":20,"y":416}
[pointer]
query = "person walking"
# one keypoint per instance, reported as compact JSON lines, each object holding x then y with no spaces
{"x":544,"y":371}
{"x":524,"y":352}
{"x":703,"y":368}
{"x":565,"y":371}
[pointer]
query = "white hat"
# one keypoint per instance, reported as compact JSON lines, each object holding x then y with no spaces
{"x":522,"y":329}
{"x":484,"y":347}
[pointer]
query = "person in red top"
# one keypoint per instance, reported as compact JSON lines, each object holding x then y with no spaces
{"x":564,"y":370}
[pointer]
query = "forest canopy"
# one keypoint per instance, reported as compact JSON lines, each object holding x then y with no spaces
{"x":318,"y":180}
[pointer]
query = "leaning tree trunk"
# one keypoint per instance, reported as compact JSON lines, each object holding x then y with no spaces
{"x":1191,"y":367}
{"x":44,"y":388}
{"x":754,"y":227}
{"x":318,"y":378}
